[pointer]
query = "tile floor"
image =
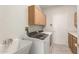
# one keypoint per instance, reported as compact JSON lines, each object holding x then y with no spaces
{"x":60,"y":49}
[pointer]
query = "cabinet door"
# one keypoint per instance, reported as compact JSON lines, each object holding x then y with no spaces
{"x":31,"y":15}
{"x":35,"y":16}
{"x":74,"y":41}
{"x":70,"y":41}
{"x":39,"y":17}
{"x":75,"y":19}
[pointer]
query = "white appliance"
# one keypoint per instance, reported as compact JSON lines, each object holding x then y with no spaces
{"x":24,"y":47}
{"x":40,"y":46}
{"x":18,"y":46}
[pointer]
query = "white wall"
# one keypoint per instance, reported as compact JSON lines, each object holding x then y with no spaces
{"x":12,"y":21}
{"x":78,"y":22}
{"x":66,"y":13}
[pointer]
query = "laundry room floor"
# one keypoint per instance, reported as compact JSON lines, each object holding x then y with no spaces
{"x":60,"y":49}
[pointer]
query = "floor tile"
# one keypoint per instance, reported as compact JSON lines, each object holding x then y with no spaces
{"x":60,"y":49}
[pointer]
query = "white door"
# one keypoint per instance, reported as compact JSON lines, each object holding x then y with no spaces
{"x":60,"y":27}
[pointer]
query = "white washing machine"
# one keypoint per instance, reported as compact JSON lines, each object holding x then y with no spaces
{"x":40,"y":46}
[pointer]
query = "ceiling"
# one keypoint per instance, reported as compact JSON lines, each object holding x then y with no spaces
{"x":46,"y":6}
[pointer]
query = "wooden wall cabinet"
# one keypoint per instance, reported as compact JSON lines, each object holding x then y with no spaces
{"x":72,"y":40}
{"x":36,"y":16}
